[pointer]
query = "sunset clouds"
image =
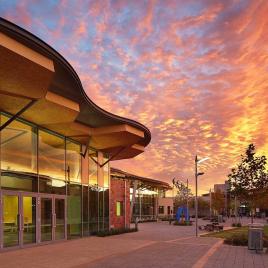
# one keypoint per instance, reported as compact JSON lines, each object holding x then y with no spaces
{"x":194,"y":72}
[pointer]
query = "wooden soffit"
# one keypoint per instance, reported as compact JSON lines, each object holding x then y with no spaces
{"x":125,"y":152}
{"x":114,"y":136}
{"x":52,"y":110}
{"x":24,"y":72}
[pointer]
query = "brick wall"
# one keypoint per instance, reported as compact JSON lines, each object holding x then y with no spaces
{"x":118,"y":194}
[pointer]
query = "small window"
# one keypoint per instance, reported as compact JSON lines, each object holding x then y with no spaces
{"x":161,"y":210}
{"x":119,"y":208}
{"x":168,"y":210}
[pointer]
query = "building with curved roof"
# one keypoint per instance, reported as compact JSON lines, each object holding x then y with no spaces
{"x":56,"y":145}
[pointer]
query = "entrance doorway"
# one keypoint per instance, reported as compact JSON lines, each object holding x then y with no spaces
{"x":30,"y":218}
{"x":52,"y":218}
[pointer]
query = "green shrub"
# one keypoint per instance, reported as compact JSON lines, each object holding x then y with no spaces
{"x":114,"y":232}
{"x":185,"y":223}
{"x":236,"y":224}
{"x":239,"y":239}
{"x":167,"y":218}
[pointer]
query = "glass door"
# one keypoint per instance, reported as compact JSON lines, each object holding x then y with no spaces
{"x":52,"y":218}
{"x":59,"y":223}
{"x":19,"y":213}
{"x":11,"y":219}
{"x":19,"y":218}
{"x":29,"y":209}
{"x":46,"y":216}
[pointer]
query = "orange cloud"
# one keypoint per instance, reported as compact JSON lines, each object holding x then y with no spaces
{"x":194,"y":72}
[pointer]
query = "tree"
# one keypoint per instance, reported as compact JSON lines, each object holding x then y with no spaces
{"x":249,"y":180}
{"x":218,"y":203}
{"x":203,"y":206}
{"x":183,"y":192}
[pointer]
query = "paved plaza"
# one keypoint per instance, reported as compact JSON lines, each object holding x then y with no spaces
{"x":155,"y":245}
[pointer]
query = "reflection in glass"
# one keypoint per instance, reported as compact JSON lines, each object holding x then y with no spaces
{"x":73,"y":161}
{"x":93,"y":208}
{"x":92,"y":169}
{"x":29,"y":219}
{"x":60,"y":219}
{"x":51,"y":155}
{"x":18,"y":156}
{"x":101,"y":203}
{"x":11,"y":220}
{"x":106,"y":209}
{"x":74,"y":220}
{"x":85,"y":211}
{"x":52,"y":186}
{"x":13,"y":180}
{"x":144,"y":206}
{"x":106,"y":174}
{"x":46,"y":219}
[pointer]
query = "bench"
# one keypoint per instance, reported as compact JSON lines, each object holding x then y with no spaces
{"x":211,"y":227}
{"x":218,"y":228}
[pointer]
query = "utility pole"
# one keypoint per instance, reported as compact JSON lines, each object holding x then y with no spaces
{"x":196,"y":201}
{"x":187,"y":201}
{"x":210,"y":204}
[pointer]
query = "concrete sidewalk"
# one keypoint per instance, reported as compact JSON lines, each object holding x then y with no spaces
{"x":155,"y":245}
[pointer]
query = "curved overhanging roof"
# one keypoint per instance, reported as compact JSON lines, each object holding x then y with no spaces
{"x":32,"y":70}
{"x":117,"y":173}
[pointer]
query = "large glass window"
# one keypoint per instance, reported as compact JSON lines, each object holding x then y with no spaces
{"x":73,"y":161}
{"x":85,"y":211}
{"x":106,"y":174}
{"x":18,"y":156}
{"x":106,"y":209}
{"x":93,"y":208}
{"x":92,"y":168}
{"x":52,"y":186}
{"x":74,"y":214}
{"x":51,"y":155}
{"x":101,"y":206}
{"x":144,"y":206}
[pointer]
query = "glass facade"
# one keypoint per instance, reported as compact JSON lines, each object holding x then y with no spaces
{"x":38,"y":164}
{"x":106,"y":174}
{"x":51,"y":155}
{"x":73,"y":161}
{"x":144,"y":206}
{"x":18,"y":156}
{"x":74,"y":211}
{"x":92,"y":168}
{"x":93,"y":214}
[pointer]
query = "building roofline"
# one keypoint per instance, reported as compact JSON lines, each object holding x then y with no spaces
{"x":42,"y":47}
{"x":124,"y":174}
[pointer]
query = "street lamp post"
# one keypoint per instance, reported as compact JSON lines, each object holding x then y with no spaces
{"x":187,"y":200}
{"x":196,"y":203}
{"x":210,"y":204}
{"x":196,"y":200}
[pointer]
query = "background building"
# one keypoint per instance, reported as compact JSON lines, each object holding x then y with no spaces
{"x":166,"y":204}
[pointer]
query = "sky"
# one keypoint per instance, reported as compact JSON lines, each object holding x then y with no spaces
{"x":194,"y":72}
